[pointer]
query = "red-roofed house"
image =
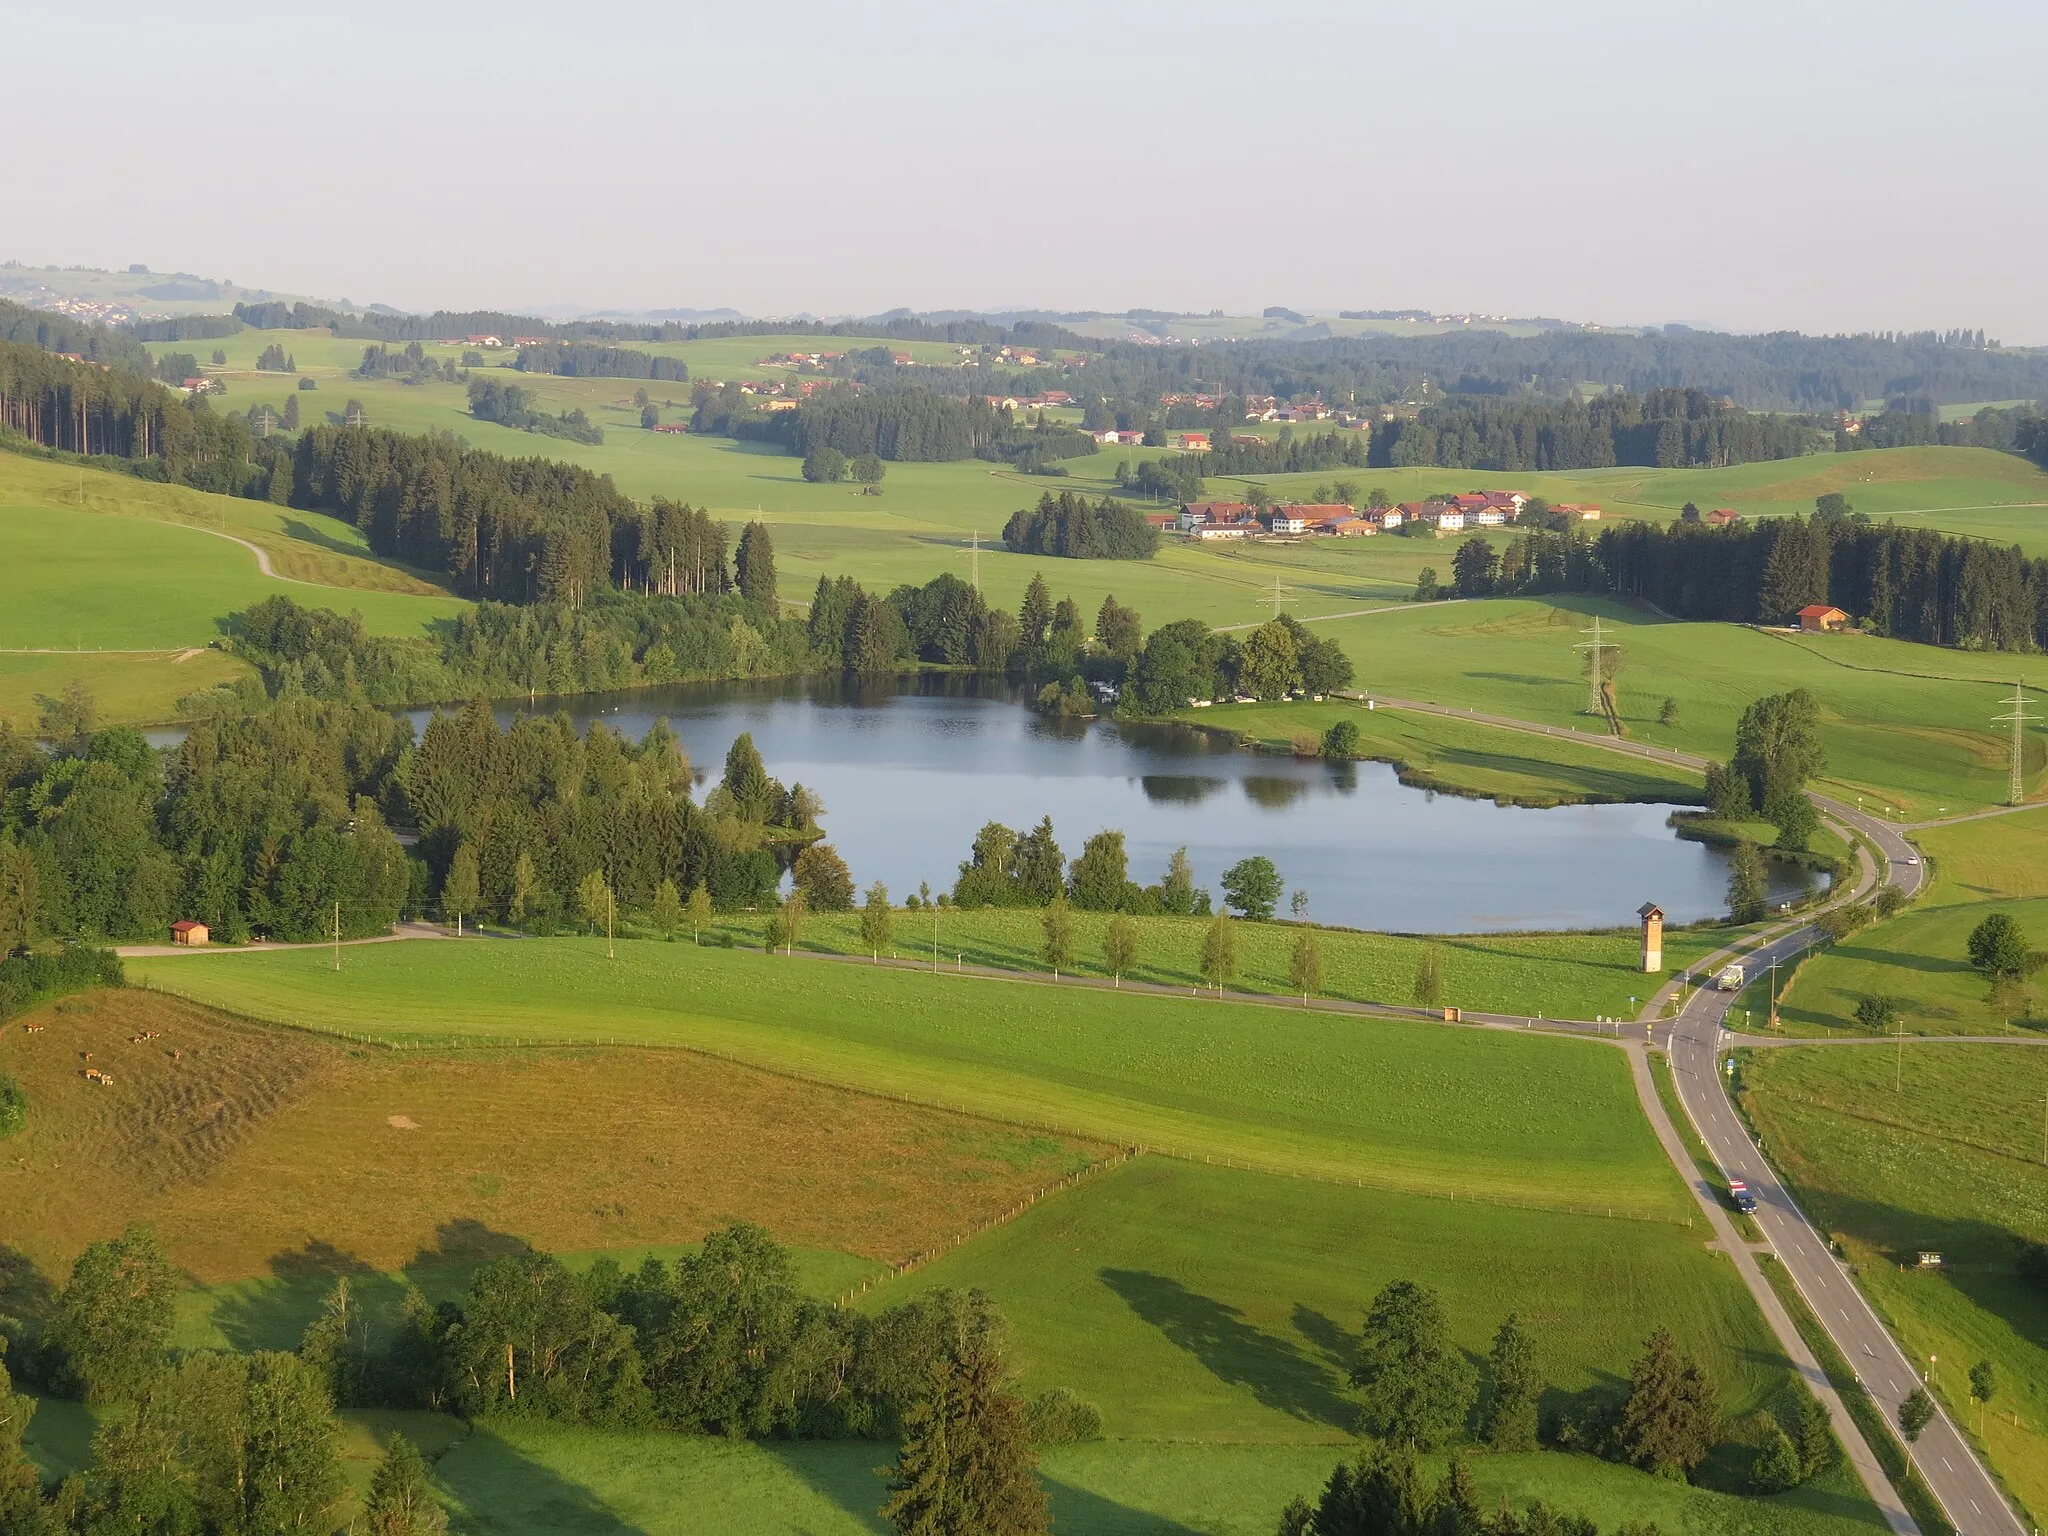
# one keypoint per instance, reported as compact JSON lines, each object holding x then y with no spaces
{"x":1217,"y":519}
{"x":1194,"y":442}
{"x":1305,"y":516}
{"x":1724,"y":517}
{"x":1819,"y":616}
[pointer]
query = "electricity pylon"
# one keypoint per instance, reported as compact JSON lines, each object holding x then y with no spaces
{"x":2018,"y":719}
{"x":1593,"y":648}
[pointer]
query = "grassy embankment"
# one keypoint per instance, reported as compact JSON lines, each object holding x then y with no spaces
{"x":98,"y":561}
{"x":1993,"y":864}
{"x":1939,"y":1148}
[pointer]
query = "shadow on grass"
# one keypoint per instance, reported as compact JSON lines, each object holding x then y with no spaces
{"x":1232,"y":1350}
{"x":25,"y":1291}
{"x":1076,"y":1509}
{"x":847,"y":1474}
{"x":493,"y":1489}
{"x":273,"y":1313}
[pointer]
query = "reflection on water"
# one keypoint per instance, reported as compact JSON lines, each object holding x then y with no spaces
{"x":909,"y":770}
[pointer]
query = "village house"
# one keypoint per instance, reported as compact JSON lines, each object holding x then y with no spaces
{"x":529,"y":341}
{"x":1820,"y":617}
{"x":483,"y":341}
{"x":1217,"y":519}
{"x":1724,"y":517}
{"x":1194,"y":442}
{"x":1382,"y":519}
{"x":1305,"y":516}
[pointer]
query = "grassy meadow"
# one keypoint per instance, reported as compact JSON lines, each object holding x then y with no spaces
{"x":1209,"y":1312}
{"x":229,"y":1136}
{"x":1552,"y":975}
{"x":1920,"y":958}
{"x":1385,"y":1102}
{"x":94,"y":561}
{"x":1936,"y":1147}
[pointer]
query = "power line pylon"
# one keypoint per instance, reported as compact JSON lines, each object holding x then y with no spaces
{"x":2018,"y":718}
{"x":1593,"y":649}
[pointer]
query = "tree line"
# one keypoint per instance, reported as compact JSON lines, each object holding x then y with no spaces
{"x":720,"y":1342}
{"x":279,"y":822}
{"x":1907,"y":583}
{"x":585,"y":359}
{"x":54,"y":403}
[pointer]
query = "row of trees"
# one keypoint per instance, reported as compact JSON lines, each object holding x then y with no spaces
{"x":585,"y":359}
{"x":100,"y":412}
{"x":720,"y":1342}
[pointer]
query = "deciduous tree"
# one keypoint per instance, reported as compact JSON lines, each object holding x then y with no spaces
{"x":401,"y":1501}
{"x":113,"y":1318}
{"x":1057,"y":950}
{"x":668,"y":910}
{"x":1219,"y":951}
{"x":1748,"y":894}
{"x":1253,"y":887}
{"x":1305,"y":970}
{"x":876,"y":920}
{"x":1120,"y":947}
{"x":824,"y":879}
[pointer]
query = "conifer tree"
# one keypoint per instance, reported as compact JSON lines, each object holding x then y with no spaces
{"x":1670,"y":1421}
{"x":1514,"y":1385}
{"x":1416,"y":1384}
{"x":966,"y":1467}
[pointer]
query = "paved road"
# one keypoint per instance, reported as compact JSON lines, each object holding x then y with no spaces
{"x":1973,"y":1502}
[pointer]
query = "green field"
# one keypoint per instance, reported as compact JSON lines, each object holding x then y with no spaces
{"x":1992,"y":864}
{"x":1938,"y":1147}
{"x":96,"y":561}
{"x":1906,"y":727}
{"x":1552,"y":975}
{"x":1390,"y":1103}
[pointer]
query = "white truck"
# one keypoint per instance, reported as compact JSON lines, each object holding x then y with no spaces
{"x":1730,"y":979}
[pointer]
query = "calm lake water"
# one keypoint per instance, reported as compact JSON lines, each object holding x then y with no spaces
{"x":909,"y":771}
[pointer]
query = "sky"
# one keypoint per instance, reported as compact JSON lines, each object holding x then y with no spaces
{"x":1750,"y":164}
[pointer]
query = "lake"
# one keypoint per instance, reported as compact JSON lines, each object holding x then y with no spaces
{"x":910,"y":769}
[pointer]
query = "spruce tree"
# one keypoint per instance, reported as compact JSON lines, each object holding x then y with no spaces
{"x":1416,"y":1384}
{"x":966,"y":1467}
{"x":754,"y":565}
{"x":1670,"y":1421}
{"x":1514,"y":1387}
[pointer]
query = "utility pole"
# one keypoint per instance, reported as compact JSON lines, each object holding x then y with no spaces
{"x":1774,"y":991}
{"x":611,"y":911}
{"x":1276,"y":597}
{"x":974,"y":559}
{"x":1899,"y":1060}
{"x":337,"y":936}
{"x":2018,"y":719}
{"x":935,"y":940}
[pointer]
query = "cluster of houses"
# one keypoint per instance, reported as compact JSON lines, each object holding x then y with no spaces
{"x":1445,"y":514}
{"x":1044,"y":400}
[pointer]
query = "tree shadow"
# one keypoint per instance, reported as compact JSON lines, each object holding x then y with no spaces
{"x":25,"y":1291}
{"x":274,"y":1313}
{"x":1077,"y":1509}
{"x":1339,"y":1346}
{"x":494,"y":1490}
{"x":851,"y":1473}
{"x":1275,"y":1371}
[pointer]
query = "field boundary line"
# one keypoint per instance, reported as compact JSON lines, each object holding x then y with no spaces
{"x":456,"y":1044}
{"x":1060,"y":1185}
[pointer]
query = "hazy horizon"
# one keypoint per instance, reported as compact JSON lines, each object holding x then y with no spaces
{"x":1764,"y":167}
